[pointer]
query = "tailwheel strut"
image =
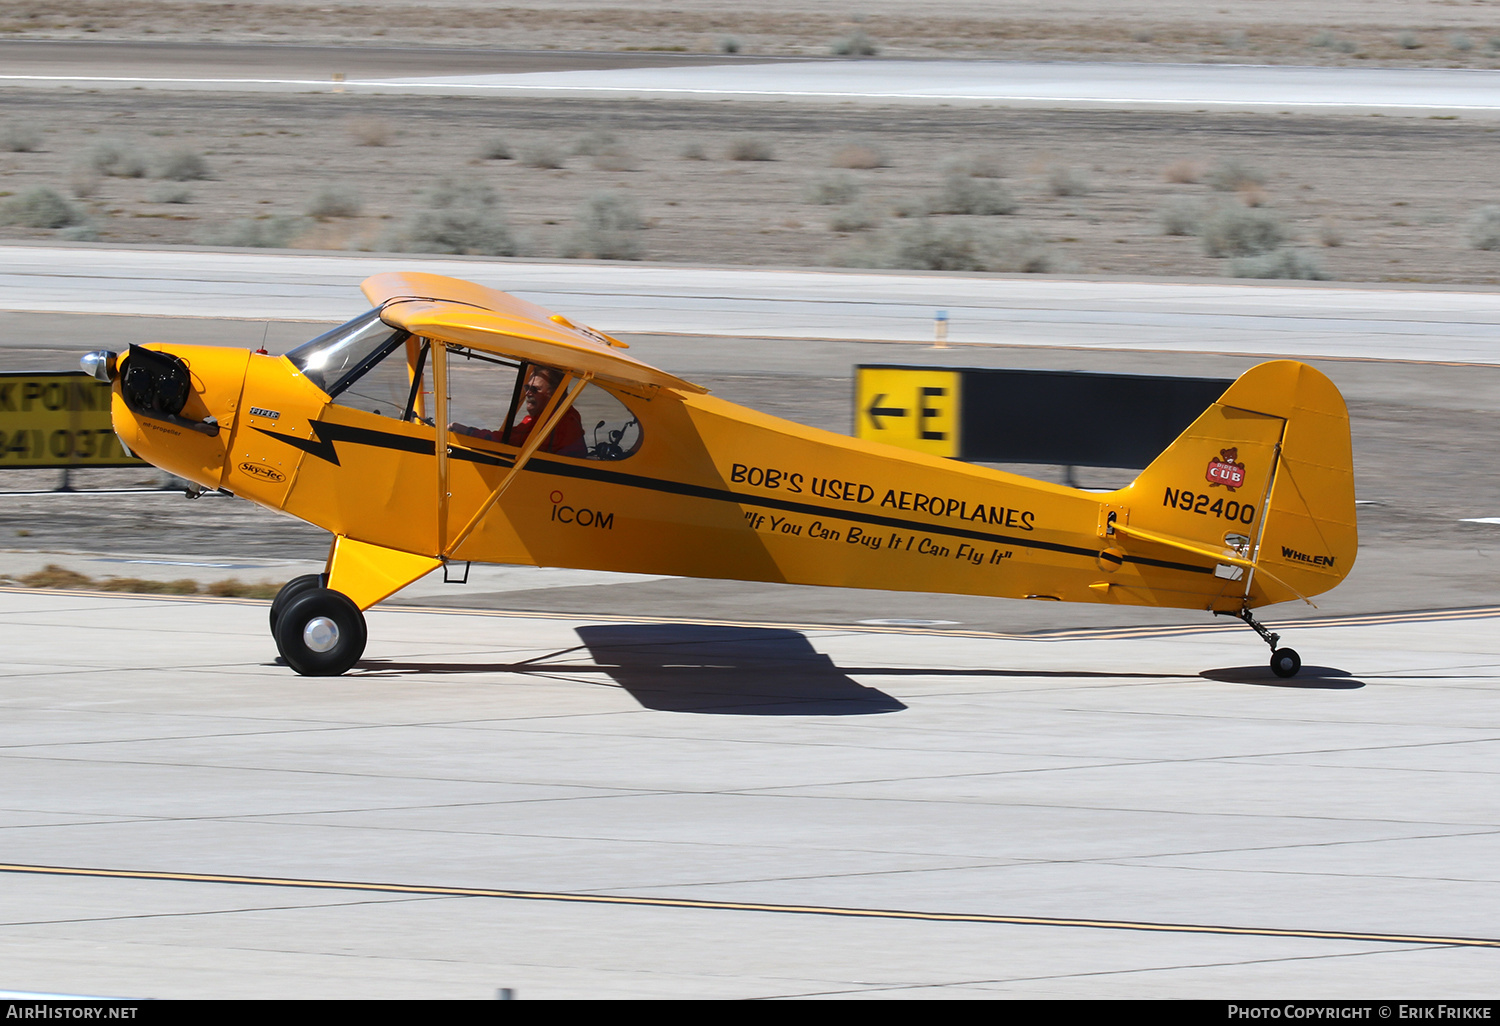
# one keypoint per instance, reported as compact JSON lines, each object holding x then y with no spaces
{"x":1285,"y":662}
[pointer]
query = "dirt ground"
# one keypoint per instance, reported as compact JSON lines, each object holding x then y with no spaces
{"x":1444,"y":33}
{"x":1370,"y":198}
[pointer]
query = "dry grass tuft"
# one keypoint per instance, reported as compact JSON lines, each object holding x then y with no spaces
{"x":858,"y":157}
{"x":751,"y":148}
{"x":142,"y":586}
{"x":371,"y":131}
{"x":542,"y":156}
{"x":54,"y":576}
{"x":1184,"y":172}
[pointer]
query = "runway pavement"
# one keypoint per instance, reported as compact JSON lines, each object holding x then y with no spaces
{"x":594,"y":808}
{"x":633,"y":77}
{"x":1306,"y":320}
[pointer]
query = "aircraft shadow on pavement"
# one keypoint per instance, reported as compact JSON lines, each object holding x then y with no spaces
{"x":744,"y":671}
{"x":1326,"y":678}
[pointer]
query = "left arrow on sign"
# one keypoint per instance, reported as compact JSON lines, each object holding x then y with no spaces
{"x":876,"y":411}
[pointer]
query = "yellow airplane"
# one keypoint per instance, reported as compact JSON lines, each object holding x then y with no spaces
{"x":557,"y":448}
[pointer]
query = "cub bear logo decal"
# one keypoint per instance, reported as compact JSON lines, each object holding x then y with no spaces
{"x":1224,"y":470}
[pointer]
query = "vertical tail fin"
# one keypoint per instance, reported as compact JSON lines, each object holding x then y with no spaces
{"x":1265,"y":476}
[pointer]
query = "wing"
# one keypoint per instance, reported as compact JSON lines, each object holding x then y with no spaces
{"x":459,"y":311}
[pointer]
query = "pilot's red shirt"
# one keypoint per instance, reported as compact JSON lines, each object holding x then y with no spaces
{"x":566,"y":438}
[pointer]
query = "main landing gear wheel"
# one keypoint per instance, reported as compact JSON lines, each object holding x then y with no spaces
{"x":1285,"y":662}
{"x":320,"y":633}
{"x":290,"y":590}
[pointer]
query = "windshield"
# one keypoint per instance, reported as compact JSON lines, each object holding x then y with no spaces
{"x":337,"y":356}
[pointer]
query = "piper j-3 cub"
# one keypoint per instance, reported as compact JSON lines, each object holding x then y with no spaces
{"x":457,"y":423}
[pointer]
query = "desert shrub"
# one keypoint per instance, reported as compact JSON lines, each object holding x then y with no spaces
{"x":855,"y":44}
{"x":495,"y":148}
{"x":1183,"y":172}
{"x":975,"y":165}
{"x":1483,"y":229}
{"x":1279,"y":263}
{"x":334,"y":201}
{"x":751,"y":147}
{"x":857,"y":156}
{"x":1067,"y":181}
{"x":1330,"y":235}
{"x":19,"y":137}
{"x":1460,"y":42}
{"x":84,"y":182}
{"x":1230,"y":175}
{"x":1408,"y":41}
{"x":832,"y":190}
{"x":609,"y":227}
{"x":693,"y":151}
{"x":962,"y":194}
{"x":729,"y":44}
{"x":39,"y":207}
{"x":170,"y":194}
{"x":615,"y":157}
{"x":1180,"y":217}
{"x":271,"y":232}
{"x":1234,"y":40}
{"x":929,"y":245}
{"x":183,"y":165}
{"x":592,"y":143}
{"x":543,"y":156}
{"x":458,"y":215}
{"x":854,"y":217}
{"x":1238,"y":231}
{"x":115,"y":159}
{"x":79,"y":233}
{"x":371,"y":131}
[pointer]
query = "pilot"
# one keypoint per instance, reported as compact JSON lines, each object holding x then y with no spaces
{"x":566,"y":439}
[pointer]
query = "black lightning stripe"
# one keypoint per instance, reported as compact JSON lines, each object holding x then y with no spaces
{"x":328,"y":434}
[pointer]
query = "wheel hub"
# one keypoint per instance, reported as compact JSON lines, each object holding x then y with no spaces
{"x":321,"y":634}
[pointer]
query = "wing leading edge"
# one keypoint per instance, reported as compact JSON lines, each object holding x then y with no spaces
{"x":459,"y":311}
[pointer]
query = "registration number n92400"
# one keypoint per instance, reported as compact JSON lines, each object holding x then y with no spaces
{"x":1209,"y":506}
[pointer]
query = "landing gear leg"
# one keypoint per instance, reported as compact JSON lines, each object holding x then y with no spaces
{"x":1285,"y":662}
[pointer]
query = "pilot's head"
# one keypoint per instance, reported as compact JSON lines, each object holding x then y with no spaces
{"x":541,"y":382}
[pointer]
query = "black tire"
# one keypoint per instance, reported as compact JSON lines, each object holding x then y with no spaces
{"x":321,"y":633}
{"x":1285,"y":662}
{"x":289,"y":590}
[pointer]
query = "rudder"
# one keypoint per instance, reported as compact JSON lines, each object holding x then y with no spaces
{"x":1264,"y":475}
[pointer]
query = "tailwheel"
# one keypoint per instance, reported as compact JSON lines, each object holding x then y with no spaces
{"x":320,"y":632}
{"x":290,"y":590}
{"x":1285,"y":662}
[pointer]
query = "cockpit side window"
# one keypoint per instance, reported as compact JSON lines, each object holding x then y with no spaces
{"x":336,"y":358}
{"x":393,"y":386}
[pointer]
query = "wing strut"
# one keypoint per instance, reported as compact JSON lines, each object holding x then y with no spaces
{"x":561,"y":401}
